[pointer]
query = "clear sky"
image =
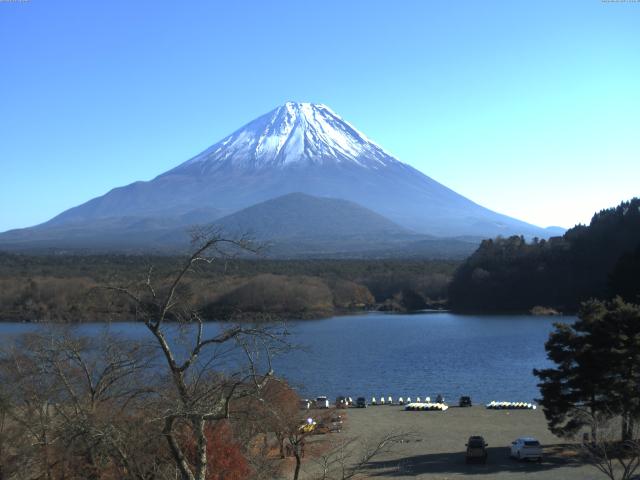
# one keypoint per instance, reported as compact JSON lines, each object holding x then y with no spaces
{"x":530,"y":108}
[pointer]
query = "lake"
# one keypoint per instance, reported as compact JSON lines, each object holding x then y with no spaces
{"x":489,"y":357}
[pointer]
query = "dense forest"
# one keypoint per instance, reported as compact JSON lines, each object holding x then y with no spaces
{"x":70,"y":288}
{"x":600,"y":260}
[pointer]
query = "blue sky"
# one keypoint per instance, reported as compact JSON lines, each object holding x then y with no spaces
{"x":529,"y":108}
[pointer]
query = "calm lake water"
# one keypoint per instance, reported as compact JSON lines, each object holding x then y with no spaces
{"x":486,"y":356}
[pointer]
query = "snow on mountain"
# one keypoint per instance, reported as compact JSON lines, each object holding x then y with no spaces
{"x":292,"y":134}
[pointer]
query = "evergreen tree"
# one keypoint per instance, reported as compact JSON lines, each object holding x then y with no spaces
{"x":597,"y":368}
{"x":625,"y":277}
{"x":620,"y":331}
{"x":601,"y":260}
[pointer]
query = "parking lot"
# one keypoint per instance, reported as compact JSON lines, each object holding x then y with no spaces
{"x":436,"y":449}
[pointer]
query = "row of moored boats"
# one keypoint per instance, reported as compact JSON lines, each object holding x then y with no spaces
{"x":439,"y":407}
{"x":402,"y":401}
{"x":493,"y":405}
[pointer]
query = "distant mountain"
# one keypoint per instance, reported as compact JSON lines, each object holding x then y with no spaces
{"x":298,"y":147}
{"x":300,"y":225}
{"x":135,"y":234}
{"x":301,"y":216}
{"x":554,"y":231}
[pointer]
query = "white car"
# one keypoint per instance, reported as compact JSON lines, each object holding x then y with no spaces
{"x":322,"y":402}
{"x":525,"y":448}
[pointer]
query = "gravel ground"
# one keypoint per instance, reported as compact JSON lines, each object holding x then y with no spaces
{"x":437,"y":449}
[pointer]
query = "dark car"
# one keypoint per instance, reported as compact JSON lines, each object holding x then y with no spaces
{"x":465,"y":401}
{"x":361,"y":402}
{"x":476,"y":449}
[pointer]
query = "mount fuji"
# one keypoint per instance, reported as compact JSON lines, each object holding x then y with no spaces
{"x":297,"y":148}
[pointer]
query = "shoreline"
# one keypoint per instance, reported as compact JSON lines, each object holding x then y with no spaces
{"x":268,"y":317}
{"x":248,"y":317}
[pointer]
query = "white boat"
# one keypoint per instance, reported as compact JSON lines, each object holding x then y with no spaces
{"x":426,"y":406}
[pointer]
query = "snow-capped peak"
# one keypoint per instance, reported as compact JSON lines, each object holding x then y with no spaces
{"x":294,"y":133}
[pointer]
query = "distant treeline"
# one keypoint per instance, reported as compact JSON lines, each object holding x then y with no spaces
{"x":71,"y":288}
{"x":596,"y":261}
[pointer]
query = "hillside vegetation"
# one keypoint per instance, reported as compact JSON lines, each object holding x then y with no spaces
{"x":70,"y":288}
{"x":596,"y":261}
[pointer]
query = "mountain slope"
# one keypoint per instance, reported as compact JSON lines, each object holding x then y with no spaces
{"x":126,"y":233}
{"x":299,"y":225}
{"x":298,"y":147}
{"x":297,"y":215}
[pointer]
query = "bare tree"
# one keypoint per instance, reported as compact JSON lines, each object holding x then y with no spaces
{"x":207,"y":372}
{"x":350,"y":458}
{"x":296,"y":435}
{"x":102,"y":407}
{"x":616,"y":459}
{"x":28,"y":404}
{"x":76,"y":400}
{"x":13,"y":442}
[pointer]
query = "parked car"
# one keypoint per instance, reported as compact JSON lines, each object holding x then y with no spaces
{"x":476,"y":449}
{"x":305,"y":404}
{"x":322,"y":402}
{"x":526,"y":448}
{"x":342,"y":402}
{"x":361,"y":402}
{"x":465,"y":401}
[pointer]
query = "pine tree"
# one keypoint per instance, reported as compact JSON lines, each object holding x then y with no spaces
{"x":597,"y":368}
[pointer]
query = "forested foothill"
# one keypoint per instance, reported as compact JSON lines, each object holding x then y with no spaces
{"x":70,"y":288}
{"x":600,"y":260}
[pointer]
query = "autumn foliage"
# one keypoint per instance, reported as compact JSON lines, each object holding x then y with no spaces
{"x":224,"y":453}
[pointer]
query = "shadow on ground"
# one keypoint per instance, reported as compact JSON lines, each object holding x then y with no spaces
{"x":498,"y":460}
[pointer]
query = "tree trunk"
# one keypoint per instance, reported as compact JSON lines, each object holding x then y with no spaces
{"x":176,"y":452}
{"x":296,"y":473}
{"x":594,"y":426}
{"x":280,"y":439}
{"x":91,"y":461}
{"x":45,"y":456}
{"x":626,"y":427}
{"x":201,"y":453}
